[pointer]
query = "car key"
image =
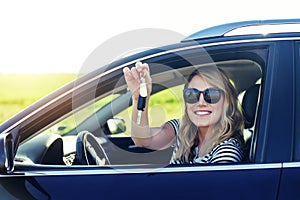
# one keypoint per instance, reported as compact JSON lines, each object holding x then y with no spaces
{"x":142,"y":98}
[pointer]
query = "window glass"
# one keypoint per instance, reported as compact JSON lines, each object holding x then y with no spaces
{"x":70,"y":122}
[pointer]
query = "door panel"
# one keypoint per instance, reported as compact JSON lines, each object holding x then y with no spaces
{"x":206,"y":182}
{"x":290,"y":181}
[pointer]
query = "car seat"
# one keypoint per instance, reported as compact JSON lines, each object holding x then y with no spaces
{"x":249,"y":107}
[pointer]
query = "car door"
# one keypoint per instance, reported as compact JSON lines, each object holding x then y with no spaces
{"x":258,"y":178}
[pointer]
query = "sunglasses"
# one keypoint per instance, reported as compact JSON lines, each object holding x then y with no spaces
{"x":210,"y":95}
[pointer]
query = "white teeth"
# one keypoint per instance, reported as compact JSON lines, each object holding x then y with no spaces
{"x":203,"y":113}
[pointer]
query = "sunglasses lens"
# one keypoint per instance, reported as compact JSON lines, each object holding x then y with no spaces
{"x":212,"y":95}
{"x":191,"y":95}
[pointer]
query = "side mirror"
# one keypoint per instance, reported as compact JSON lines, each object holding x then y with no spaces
{"x":116,"y":125}
{"x":6,"y":153}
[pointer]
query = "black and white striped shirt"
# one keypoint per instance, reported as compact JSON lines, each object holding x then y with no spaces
{"x":228,"y":151}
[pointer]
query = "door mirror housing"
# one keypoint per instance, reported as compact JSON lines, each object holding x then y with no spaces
{"x":116,"y":125}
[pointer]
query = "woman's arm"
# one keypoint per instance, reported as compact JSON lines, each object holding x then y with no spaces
{"x":142,"y":134}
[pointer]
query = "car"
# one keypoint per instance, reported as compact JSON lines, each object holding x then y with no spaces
{"x":45,"y":153}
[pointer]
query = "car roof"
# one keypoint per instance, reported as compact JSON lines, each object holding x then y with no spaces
{"x":262,"y":27}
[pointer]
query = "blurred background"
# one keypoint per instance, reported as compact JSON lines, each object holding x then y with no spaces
{"x":43,"y":44}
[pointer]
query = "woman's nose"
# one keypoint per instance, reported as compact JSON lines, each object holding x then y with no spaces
{"x":201,"y":100}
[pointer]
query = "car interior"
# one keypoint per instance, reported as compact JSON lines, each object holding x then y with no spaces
{"x":108,"y":118}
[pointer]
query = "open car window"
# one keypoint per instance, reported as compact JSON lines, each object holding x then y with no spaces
{"x":108,"y":116}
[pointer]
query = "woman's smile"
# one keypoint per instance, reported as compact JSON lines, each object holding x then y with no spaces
{"x":201,"y":113}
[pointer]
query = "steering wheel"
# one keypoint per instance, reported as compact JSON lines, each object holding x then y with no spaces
{"x":89,"y":151}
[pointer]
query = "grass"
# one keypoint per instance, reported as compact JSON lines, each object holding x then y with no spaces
{"x":18,"y":91}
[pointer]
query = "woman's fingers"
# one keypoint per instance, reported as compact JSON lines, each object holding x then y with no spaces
{"x":133,"y":77}
{"x":142,"y":68}
{"x":127,"y":73}
{"x":135,"y":73}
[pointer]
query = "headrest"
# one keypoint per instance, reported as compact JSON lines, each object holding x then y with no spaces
{"x":249,"y":104}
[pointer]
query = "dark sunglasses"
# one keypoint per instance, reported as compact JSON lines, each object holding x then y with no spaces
{"x":210,"y":95}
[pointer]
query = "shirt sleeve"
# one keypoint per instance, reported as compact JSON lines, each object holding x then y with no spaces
{"x":175,"y":124}
{"x":227,"y":152}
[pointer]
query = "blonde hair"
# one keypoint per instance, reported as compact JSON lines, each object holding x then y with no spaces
{"x":231,"y":121}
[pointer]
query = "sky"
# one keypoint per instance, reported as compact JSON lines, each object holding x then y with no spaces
{"x":58,"y":36}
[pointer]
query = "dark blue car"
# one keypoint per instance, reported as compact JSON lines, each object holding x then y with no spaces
{"x":43,"y":154}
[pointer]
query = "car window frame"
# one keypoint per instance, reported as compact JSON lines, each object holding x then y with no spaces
{"x":249,"y":45}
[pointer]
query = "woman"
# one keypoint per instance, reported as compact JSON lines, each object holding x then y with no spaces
{"x":210,"y":130}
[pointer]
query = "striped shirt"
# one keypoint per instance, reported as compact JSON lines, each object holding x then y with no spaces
{"x":228,"y":151}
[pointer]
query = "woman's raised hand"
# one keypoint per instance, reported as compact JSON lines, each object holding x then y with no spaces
{"x":133,"y":78}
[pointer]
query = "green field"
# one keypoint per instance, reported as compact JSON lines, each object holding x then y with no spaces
{"x":17,"y":91}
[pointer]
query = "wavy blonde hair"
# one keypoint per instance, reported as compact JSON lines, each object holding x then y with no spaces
{"x":231,"y":121}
